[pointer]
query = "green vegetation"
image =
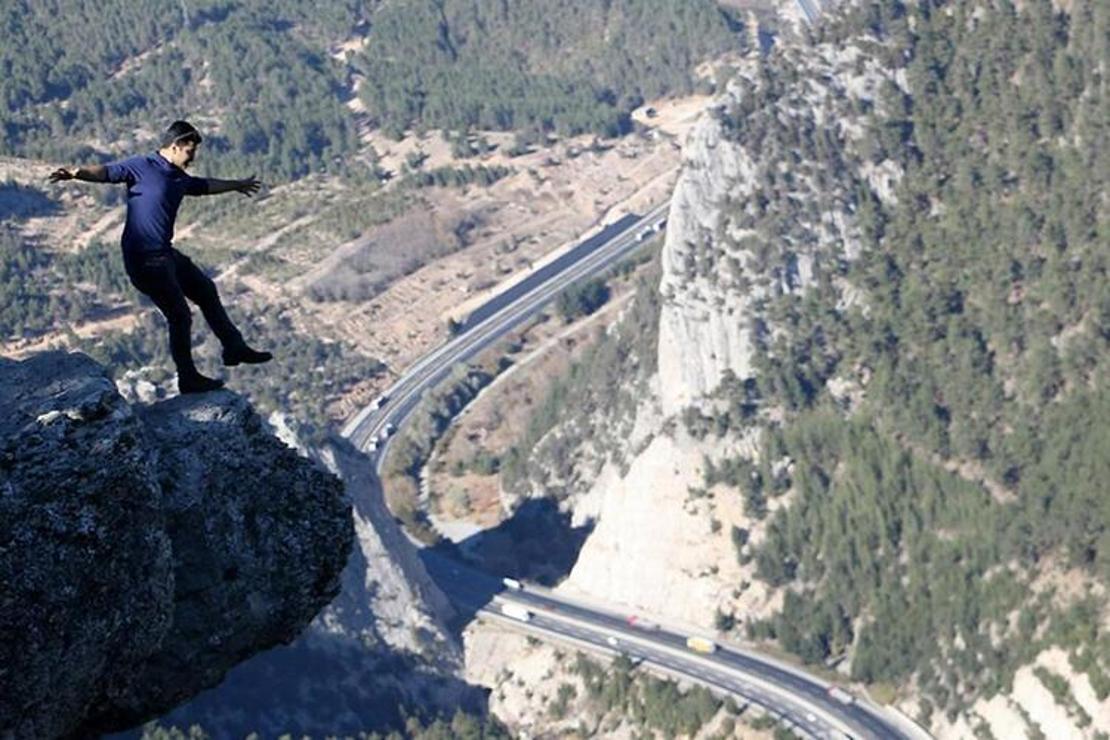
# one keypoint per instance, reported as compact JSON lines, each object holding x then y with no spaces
{"x":651,"y":703}
{"x":1061,"y":693}
{"x":461,"y":726}
{"x":605,"y":379}
{"x":93,"y":80}
{"x":41,"y":290}
{"x":457,"y":177}
{"x":262,"y":66}
{"x":875,"y":529}
{"x":582,"y":299}
{"x":568,"y":67}
{"x":411,"y":450}
{"x":982,"y":348}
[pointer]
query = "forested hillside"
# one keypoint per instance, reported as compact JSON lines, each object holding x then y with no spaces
{"x":979,"y":454}
{"x":86,"y":78}
{"x":533,"y":64}
{"x":929,"y":494}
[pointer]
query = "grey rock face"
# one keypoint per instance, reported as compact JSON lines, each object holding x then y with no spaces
{"x":86,"y":575}
{"x":146,"y":551}
{"x":380,"y":646}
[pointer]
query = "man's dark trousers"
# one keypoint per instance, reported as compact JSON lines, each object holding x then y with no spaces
{"x":168,"y":278}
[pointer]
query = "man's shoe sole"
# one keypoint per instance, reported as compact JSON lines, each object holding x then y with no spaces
{"x":234,"y":362}
{"x":191,"y":391}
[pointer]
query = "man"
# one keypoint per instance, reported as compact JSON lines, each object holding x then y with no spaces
{"x":156,"y":183}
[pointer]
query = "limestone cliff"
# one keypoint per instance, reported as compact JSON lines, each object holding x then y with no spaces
{"x":725,"y":251}
{"x":146,"y":551}
{"x":662,"y":544}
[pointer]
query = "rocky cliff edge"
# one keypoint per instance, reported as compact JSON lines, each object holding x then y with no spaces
{"x":146,"y":550}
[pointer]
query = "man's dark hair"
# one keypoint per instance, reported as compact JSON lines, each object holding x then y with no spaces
{"x":180,"y":131}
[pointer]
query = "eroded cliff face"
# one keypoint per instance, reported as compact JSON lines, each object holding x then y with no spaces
{"x":663,"y":543}
{"x":726,"y":251}
{"x":146,"y":551}
{"x":381,"y":645}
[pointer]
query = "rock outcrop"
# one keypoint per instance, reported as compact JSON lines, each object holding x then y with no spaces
{"x":146,"y":551}
{"x":726,"y":251}
{"x":380,"y":646}
{"x":661,"y":543}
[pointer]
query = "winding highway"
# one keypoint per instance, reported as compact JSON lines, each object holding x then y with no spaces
{"x":799,"y":701}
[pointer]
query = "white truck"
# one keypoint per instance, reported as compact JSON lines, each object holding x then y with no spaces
{"x":841,"y":695}
{"x":516,"y":611}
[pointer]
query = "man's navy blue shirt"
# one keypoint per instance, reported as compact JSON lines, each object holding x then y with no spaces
{"x":155,"y":187}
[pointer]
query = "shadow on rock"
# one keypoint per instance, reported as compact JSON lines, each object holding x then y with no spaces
{"x":322,"y":685}
{"x":537,"y":544}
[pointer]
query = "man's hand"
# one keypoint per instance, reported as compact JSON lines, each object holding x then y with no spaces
{"x":61,"y":175}
{"x":249,"y":186}
{"x":92,"y":173}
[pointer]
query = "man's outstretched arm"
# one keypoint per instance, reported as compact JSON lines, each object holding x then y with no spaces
{"x":215,"y":186}
{"x":92,"y":173}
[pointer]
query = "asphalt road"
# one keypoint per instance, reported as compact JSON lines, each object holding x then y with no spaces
{"x":799,"y":702}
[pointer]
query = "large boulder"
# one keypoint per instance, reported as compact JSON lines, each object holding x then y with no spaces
{"x":145,"y":551}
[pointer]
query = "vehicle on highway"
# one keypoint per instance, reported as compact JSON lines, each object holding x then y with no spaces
{"x":372,"y":446}
{"x":378,"y":402}
{"x":701,"y":645}
{"x":642,"y":624}
{"x":841,"y":695}
{"x":516,"y":611}
{"x":387,"y":430}
{"x":612,"y":641}
{"x":512,"y":583}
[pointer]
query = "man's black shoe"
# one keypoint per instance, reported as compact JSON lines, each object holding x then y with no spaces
{"x":198,"y":384}
{"x":236,"y":355}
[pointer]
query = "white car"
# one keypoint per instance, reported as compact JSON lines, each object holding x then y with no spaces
{"x":512,"y":583}
{"x":612,"y":641}
{"x":378,"y":402}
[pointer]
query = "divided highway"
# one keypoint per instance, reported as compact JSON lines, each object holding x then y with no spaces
{"x":798,"y":700}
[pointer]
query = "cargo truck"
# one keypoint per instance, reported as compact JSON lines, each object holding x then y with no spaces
{"x":516,"y":611}
{"x":701,"y":645}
